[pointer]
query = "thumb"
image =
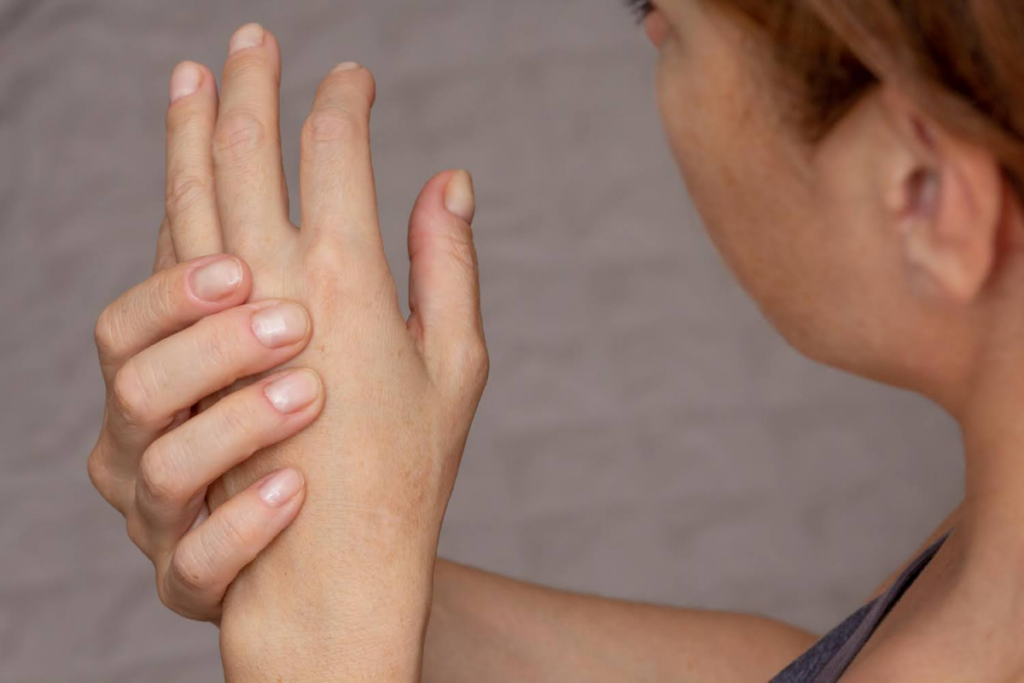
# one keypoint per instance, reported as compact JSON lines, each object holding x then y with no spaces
{"x":444,"y":276}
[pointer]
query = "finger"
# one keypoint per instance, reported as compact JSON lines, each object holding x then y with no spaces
{"x":444,"y":278}
{"x":116,"y":486}
{"x":175,"y":373}
{"x":210,"y":556}
{"x":251,"y":190}
{"x":191,"y":204}
{"x":115,"y":482}
{"x":176,"y":469}
{"x":166,"y":303}
{"x":339,"y":198}
{"x":165,"y":257}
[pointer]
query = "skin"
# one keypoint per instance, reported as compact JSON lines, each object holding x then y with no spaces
{"x":377,"y":494}
{"x":890,"y":249}
{"x":154,"y":464}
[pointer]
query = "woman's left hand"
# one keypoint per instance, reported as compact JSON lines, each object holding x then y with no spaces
{"x":381,"y":461}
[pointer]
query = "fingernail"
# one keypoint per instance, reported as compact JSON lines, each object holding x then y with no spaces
{"x":250,"y":35}
{"x":345,"y":66}
{"x":294,"y":391}
{"x":280,"y":325}
{"x":185,"y":81}
{"x":215,"y":281}
{"x":458,"y":196}
{"x":280,"y":487}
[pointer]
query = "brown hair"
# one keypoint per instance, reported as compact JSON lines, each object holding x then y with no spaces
{"x":962,"y":61}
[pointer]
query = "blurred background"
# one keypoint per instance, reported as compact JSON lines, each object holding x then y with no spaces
{"x":644,"y":434}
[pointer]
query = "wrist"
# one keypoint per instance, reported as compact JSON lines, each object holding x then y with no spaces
{"x":378,"y":638}
{"x":356,"y":612}
{"x":266,"y":647}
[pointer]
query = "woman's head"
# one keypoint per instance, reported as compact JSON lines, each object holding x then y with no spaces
{"x":858,"y":164}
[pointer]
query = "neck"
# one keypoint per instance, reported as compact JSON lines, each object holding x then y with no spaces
{"x":994,"y":466}
{"x":974,"y":587}
{"x":990,"y":409}
{"x":987,"y":546}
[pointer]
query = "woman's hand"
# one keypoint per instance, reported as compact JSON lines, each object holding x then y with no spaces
{"x":354,"y":573}
{"x":178,"y":337}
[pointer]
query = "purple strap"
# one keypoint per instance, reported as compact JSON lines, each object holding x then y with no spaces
{"x":835,"y":666}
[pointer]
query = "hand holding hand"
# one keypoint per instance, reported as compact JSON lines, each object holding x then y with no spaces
{"x":164,"y":345}
{"x":400,"y":394}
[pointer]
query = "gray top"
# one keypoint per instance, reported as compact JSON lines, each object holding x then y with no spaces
{"x":826,"y":660}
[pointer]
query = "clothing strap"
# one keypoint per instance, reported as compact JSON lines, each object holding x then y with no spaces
{"x":835,"y":666}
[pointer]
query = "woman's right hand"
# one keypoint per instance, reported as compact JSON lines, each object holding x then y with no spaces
{"x":182,"y":335}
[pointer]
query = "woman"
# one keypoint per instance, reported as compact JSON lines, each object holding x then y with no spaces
{"x":858,"y":165}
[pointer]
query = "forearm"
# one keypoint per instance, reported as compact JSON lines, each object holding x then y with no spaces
{"x":290,"y":619}
{"x":484,"y":627}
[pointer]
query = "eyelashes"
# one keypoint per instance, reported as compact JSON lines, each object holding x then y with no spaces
{"x":640,"y":8}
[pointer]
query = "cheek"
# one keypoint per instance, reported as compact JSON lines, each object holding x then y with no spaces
{"x":704,"y":146}
{"x":711,"y":103}
{"x":803,"y":252}
{"x":755,"y":209}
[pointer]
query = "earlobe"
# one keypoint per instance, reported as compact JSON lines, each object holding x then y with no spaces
{"x":949,"y":206}
{"x":941,"y":271}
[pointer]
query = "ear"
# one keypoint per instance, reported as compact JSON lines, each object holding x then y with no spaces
{"x":945,"y":197}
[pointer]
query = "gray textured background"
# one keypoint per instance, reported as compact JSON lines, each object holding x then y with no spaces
{"x":644,"y":434}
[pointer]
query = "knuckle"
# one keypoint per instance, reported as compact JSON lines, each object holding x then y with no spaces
{"x":191,"y":569}
{"x":237,"y":425}
{"x":472,"y":365}
{"x":250,"y":66}
{"x":465,"y":371}
{"x":238,"y":135}
{"x":344,"y":269}
{"x":98,"y":474}
{"x":137,"y":531}
{"x":165,"y":296}
{"x":327,"y":265}
{"x":326,"y":255}
{"x":466,"y":365}
{"x":333,"y":126}
{"x":130,"y":396}
{"x":232,"y":535}
{"x":166,"y":598}
{"x":184,"y":190}
{"x":477,"y":361}
{"x":461,"y":249}
{"x":239,"y":420}
{"x":107,"y":333}
{"x":218,"y":347}
{"x":159,"y":479}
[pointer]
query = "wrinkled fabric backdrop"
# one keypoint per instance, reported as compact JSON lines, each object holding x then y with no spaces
{"x":644,"y":434}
